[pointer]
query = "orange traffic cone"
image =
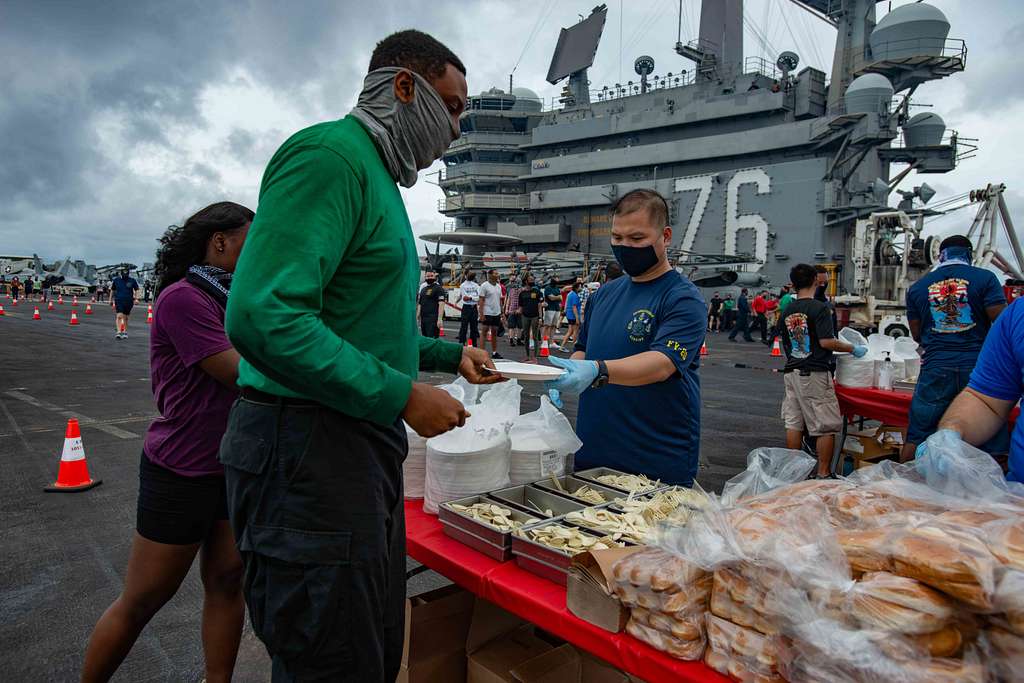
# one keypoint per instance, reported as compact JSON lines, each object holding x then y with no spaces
{"x":49,"y":305}
{"x":149,"y":309}
{"x":92,"y":300}
{"x":703,"y":349}
{"x":776,"y":349}
{"x":1,"y":309}
{"x":544,"y":351}
{"x":149,"y":317}
{"x":74,"y":318}
{"x":14,"y":302}
{"x":469,"y":342}
{"x":35,"y":315}
{"x":74,"y":301}
{"x":88,"y":309}
{"x":440,"y":330}
{"x":60,"y":299}
{"x":73,"y":474}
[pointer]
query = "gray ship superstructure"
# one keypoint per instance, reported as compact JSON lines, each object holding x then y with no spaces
{"x":764,"y":164}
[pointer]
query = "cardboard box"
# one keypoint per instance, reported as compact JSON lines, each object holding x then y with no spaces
{"x":436,"y":627}
{"x":870,"y":445}
{"x":498,"y":641}
{"x":566,"y":664}
{"x":589,"y":588}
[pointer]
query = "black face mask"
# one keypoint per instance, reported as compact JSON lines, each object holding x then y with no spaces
{"x":635,"y":260}
{"x":430,"y":282}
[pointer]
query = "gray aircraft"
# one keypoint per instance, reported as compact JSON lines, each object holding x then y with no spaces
{"x":764,"y":164}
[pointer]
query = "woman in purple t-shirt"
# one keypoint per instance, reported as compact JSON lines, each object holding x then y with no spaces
{"x":182,"y":508}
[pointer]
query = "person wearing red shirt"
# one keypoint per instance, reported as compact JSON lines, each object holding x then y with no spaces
{"x":759,"y":306}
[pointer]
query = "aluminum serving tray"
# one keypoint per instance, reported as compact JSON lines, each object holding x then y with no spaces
{"x":542,"y":560}
{"x":593,"y":473}
{"x":572,"y":483}
{"x":483,"y":538}
{"x":520,"y":497}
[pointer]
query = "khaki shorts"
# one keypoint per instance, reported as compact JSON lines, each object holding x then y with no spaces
{"x":551,"y":317}
{"x":811,"y":403}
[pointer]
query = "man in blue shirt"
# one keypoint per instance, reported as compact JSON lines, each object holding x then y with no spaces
{"x":122,"y":289}
{"x":950,"y":311}
{"x":742,"y":318}
{"x":981,"y":411}
{"x":636,"y":359}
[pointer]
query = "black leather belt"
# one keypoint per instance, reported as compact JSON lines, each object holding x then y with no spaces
{"x":257,"y":396}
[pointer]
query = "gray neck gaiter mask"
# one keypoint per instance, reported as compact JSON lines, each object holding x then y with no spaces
{"x":411,"y":136}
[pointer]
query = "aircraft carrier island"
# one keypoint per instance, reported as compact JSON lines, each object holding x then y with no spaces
{"x":764,"y":164}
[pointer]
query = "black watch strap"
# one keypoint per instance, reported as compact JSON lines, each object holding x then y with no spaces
{"x":602,"y":375}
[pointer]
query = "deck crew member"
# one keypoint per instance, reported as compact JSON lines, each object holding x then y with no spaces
{"x":950,"y":311}
{"x":431,"y":297}
{"x":635,"y":362}
{"x":314,"y":449}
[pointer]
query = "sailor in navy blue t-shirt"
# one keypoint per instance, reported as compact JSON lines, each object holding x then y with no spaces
{"x":635,"y":364}
{"x":950,"y":311}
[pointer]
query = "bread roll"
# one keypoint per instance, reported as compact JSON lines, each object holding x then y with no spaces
{"x":674,"y":574}
{"x":1005,"y":539}
{"x":680,"y":649}
{"x":946,"y":642}
{"x":953,"y":562}
{"x":867,"y":505}
{"x":895,"y":603}
{"x":717,"y":660}
{"x":944,"y":670}
{"x":693,"y":596}
{"x":866,"y":549}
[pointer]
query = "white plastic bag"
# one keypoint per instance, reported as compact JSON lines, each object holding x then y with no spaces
{"x":541,"y":442}
{"x":855,"y":372}
{"x":475,"y":458}
{"x":852,"y":337}
{"x":415,"y":466}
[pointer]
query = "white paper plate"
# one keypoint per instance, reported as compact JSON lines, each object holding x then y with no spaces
{"x":527,"y":371}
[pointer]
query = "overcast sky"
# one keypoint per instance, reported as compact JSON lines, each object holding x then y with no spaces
{"x":119,"y":118}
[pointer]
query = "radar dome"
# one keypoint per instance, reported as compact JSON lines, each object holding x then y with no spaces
{"x":869,"y":94}
{"x":526,"y":100}
{"x":924,"y":130}
{"x":909,"y":31}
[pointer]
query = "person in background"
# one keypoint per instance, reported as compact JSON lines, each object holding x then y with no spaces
{"x":147,"y":290}
{"x":531,"y":300}
{"x":808,"y":340}
{"x":979,"y":414}
{"x":44,"y":289}
{"x":323,"y":312}
{"x":469,"y":298}
{"x":728,"y":313}
{"x":714,"y":313}
{"x":821,"y":284}
{"x":512,"y":310}
{"x":759,"y":308}
{"x":572,"y":315}
{"x":123,"y":288}
{"x":29,"y":287}
{"x":552,"y":308}
{"x":182,"y":503}
{"x":490,"y":310}
{"x":742,"y":318}
{"x":786,"y":298}
{"x":612,"y":271}
{"x":15,"y":288}
{"x":428,"y":303}
{"x":636,"y":359}
{"x":585,"y":292}
{"x":950,"y":311}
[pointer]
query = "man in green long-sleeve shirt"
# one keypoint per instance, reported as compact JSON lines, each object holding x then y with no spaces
{"x":322,"y":310}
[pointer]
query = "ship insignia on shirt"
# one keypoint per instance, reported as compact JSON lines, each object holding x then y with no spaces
{"x":951,"y":311}
{"x":640,"y":325}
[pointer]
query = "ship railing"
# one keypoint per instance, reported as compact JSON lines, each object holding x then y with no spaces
{"x":488,"y":138}
{"x":499,"y":102}
{"x":915,"y":49}
{"x":484,"y":200}
{"x":631,"y":88}
{"x":484,"y":168}
{"x":760,"y":65}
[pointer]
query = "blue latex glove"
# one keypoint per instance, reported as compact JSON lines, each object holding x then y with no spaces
{"x":859,"y":351}
{"x":929,"y":453}
{"x":556,"y":398}
{"x":578,"y":376}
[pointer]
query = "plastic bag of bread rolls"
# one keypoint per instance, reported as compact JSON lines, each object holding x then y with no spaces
{"x":767,"y":469}
{"x":886,"y":602}
{"x":680,"y":649}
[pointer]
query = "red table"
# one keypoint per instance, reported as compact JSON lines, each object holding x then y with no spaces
{"x":888,"y":407}
{"x":539,"y":601}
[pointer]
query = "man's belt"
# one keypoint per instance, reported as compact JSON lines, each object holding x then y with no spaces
{"x":257,"y":396}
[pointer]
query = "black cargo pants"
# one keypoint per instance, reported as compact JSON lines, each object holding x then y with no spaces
{"x":315,"y":501}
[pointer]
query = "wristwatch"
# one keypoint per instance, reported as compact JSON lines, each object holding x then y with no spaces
{"x":602,"y":375}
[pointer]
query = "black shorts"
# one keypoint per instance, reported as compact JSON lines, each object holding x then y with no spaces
{"x":175,"y":509}
{"x":492,"y":320}
{"x":123,"y":306}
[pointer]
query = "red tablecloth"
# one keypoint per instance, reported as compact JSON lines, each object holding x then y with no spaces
{"x":539,"y":601}
{"x":889,"y":407}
